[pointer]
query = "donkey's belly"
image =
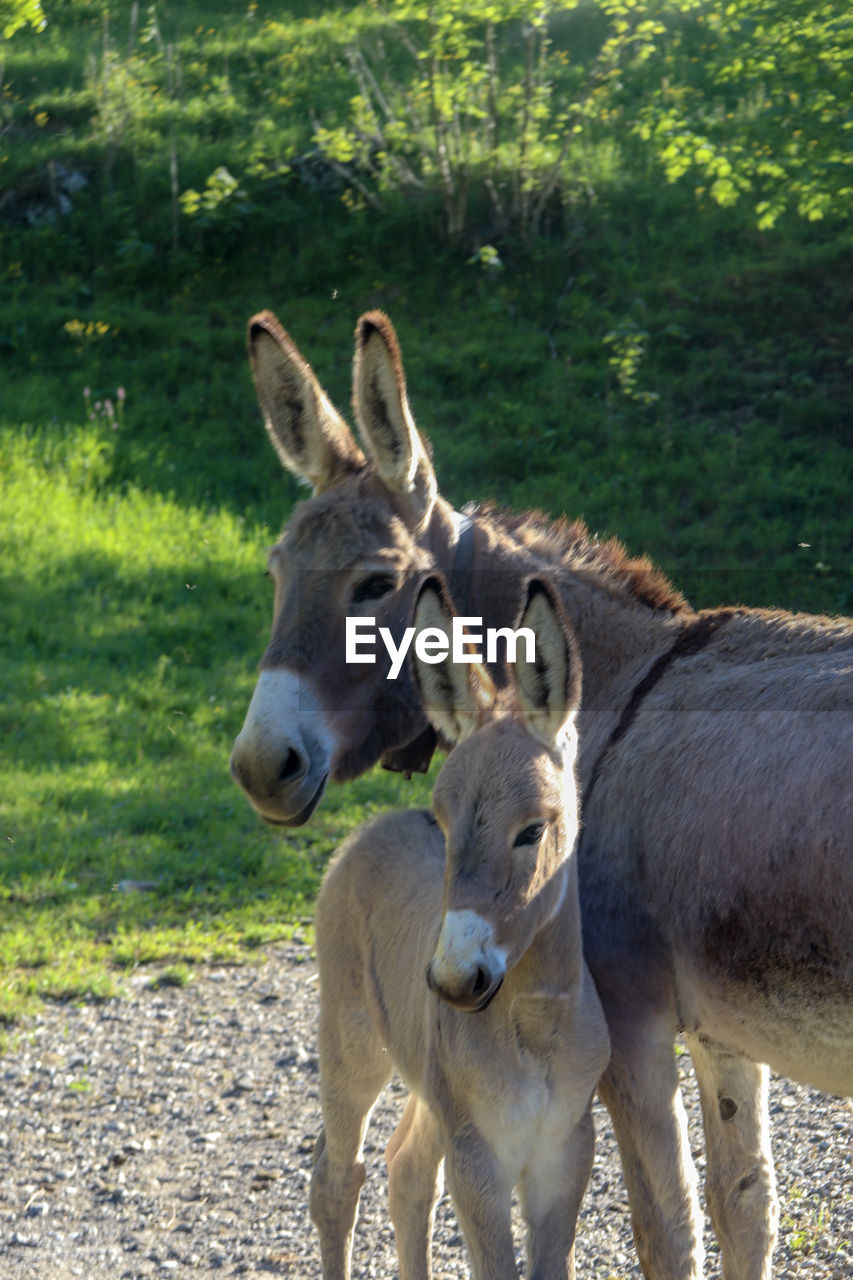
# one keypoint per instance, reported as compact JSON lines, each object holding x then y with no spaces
{"x":801,"y":1029}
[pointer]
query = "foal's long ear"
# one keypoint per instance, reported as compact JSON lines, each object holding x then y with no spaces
{"x":456,"y":696}
{"x":549,"y":685}
{"x":311,"y":439}
{"x":385,"y":420}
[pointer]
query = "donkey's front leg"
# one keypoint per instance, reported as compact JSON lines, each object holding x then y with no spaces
{"x":414,"y":1154}
{"x":551,"y":1193}
{"x":740,"y":1183}
{"x":640,"y":1090}
{"x":482,"y":1197}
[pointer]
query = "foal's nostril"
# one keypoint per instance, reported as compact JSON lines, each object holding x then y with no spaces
{"x":292,"y":767}
{"x":481,"y":982}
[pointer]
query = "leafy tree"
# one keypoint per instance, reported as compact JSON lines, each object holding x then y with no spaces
{"x":476,"y":118}
{"x":749,"y":99}
{"x":15,"y":14}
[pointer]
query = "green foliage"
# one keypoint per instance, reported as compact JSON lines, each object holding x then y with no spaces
{"x":752,"y":101}
{"x":15,"y":14}
{"x":627,"y":344}
{"x":475,"y":116}
{"x":748,"y":100}
{"x":221,"y":189}
{"x":653,"y":363}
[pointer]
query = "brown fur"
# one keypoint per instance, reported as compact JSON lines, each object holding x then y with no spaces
{"x":569,"y":545}
{"x":716,"y":751}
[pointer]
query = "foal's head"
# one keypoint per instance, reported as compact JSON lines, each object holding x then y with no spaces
{"x":505,"y":798}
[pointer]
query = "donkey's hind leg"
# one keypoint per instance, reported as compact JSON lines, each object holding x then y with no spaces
{"x":353,"y":1069}
{"x":414,"y":1154}
{"x":640,"y":1090}
{"x":740,"y":1183}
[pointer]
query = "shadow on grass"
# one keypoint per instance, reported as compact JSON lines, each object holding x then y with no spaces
{"x":121,"y":695}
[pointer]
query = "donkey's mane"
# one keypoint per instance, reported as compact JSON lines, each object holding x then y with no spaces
{"x":570,"y":543}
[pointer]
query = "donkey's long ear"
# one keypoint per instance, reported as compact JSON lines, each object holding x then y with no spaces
{"x":385,"y":420}
{"x":455,"y":695}
{"x":311,"y":439}
{"x":549,"y":684}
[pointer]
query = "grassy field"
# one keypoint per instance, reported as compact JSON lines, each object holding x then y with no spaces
{"x":654,"y":363}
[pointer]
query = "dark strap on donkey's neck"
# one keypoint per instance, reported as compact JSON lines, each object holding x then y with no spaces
{"x":415,"y":756}
{"x":463,"y":558}
{"x":691,"y":639}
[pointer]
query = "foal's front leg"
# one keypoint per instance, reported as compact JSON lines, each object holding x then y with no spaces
{"x":482,"y":1198}
{"x":551,"y":1193}
{"x":740,"y":1182}
{"x":353,"y":1069}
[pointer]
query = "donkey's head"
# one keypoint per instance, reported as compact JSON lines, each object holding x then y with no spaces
{"x":357,"y":548}
{"x":505,"y":798}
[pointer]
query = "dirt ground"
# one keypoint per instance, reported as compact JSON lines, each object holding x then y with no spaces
{"x":170,"y":1132}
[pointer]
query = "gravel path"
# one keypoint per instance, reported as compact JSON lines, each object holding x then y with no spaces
{"x":170,"y":1134}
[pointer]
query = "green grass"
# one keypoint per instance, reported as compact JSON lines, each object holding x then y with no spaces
{"x":655,"y":365}
{"x":806,"y":1228}
{"x":124,"y":840}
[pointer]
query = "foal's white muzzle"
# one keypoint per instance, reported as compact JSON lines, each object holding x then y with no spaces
{"x":467,"y":969}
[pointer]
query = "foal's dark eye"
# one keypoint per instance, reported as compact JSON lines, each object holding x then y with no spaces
{"x":530,"y":835}
{"x":374,"y":587}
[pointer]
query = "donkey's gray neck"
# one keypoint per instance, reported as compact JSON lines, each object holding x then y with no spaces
{"x":621,"y":643}
{"x":621,"y":637}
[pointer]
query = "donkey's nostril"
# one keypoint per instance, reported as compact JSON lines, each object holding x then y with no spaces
{"x":292,"y":767}
{"x":481,"y":982}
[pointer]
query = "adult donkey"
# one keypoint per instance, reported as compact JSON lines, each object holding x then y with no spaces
{"x":716,"y":755}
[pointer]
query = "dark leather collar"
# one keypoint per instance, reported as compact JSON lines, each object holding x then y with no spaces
{"x":416,"y":756}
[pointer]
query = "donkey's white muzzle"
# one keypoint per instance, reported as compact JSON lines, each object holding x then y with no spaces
{"x":282,"y":755}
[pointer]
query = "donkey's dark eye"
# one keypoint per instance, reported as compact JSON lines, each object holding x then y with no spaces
{"x":374,"y":587}
{"x":530,"y":835}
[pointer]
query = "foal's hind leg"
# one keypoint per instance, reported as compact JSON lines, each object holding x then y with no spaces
{"x":353,"y":1069}
{"x":414,"y":1154}
{"x":740,"y":1184}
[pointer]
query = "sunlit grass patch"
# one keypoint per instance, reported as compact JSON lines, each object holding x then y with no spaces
{"x":124,"y":841}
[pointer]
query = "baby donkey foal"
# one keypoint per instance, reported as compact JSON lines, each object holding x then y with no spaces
{"x":503,"y":1041}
